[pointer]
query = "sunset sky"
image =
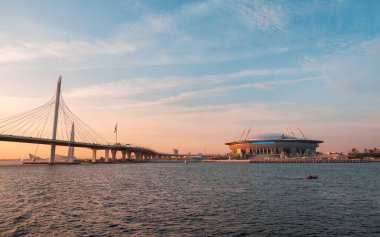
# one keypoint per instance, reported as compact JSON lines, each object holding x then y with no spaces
{"x":193,"y":75}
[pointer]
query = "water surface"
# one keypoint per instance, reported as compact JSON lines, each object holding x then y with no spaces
{"x":197,"y":199}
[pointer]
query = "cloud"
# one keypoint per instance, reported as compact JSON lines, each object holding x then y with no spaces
{"x":217,"y":91}
{"x":260,"y":15}
{"x":133,"y":91}
{"x":260,"y":73}
{"x":171,"y":38}
{"x":72,"y":50}
{"x":264,"y":16}
{"x":356,"y":69}
{"x":191,"y":86}
{"x":125,"y":88}
{"x":158,"y":37}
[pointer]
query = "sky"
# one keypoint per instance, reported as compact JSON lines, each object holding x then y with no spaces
{"x":192,"y":75}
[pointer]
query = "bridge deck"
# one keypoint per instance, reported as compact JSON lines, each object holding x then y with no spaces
{"x":45,"y":141}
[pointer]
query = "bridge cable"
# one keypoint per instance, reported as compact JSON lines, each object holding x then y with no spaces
{"x":21,"y":115}
{"x":23,"y":119}
{"x":43,"y":128}
{"x":87,"y":130}
{"x":35,"y":123}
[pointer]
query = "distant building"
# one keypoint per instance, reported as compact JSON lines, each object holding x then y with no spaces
{"x":275,"y":144}
{"x":334,"y":155}
{"x":175,"y":151}
{"x":368,"y":153}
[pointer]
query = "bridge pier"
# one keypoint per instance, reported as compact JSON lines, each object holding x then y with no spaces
{"x":123,"y":154}
{"x":52,"y":154}
{"x":138,"y":155}
{"x":113,"y":153}
{"x":107,"y":156}
{"x":71,"y":148}
{"x":93,"y":155}
{"x":129,"y":155}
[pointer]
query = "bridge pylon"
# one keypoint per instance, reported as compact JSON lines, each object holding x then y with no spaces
{"x":55,"y":124}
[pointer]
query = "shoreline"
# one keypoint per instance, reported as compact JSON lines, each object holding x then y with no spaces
{"x":279,"y":161}
{"x":289,"y":161}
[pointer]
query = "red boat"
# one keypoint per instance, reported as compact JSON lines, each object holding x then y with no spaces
{"x":311,"y":177}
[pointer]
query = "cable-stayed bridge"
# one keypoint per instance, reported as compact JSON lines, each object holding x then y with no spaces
{"x":55,"y":124}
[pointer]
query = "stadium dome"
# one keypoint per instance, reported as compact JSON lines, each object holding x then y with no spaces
{"x":271,"y":136}
{"x":273,"y":144}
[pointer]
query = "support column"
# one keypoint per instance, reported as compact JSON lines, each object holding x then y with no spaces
{"x":93,"y":155}
{"x":55,"y":124}
{"x":107,"y":156}
{"x":129,"y":155}
{"x":71,"y":148}
{"x":123,"y":154}
{"x":113,"y":153}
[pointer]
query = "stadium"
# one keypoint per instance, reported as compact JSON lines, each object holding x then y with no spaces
{"x":274,"y":145}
